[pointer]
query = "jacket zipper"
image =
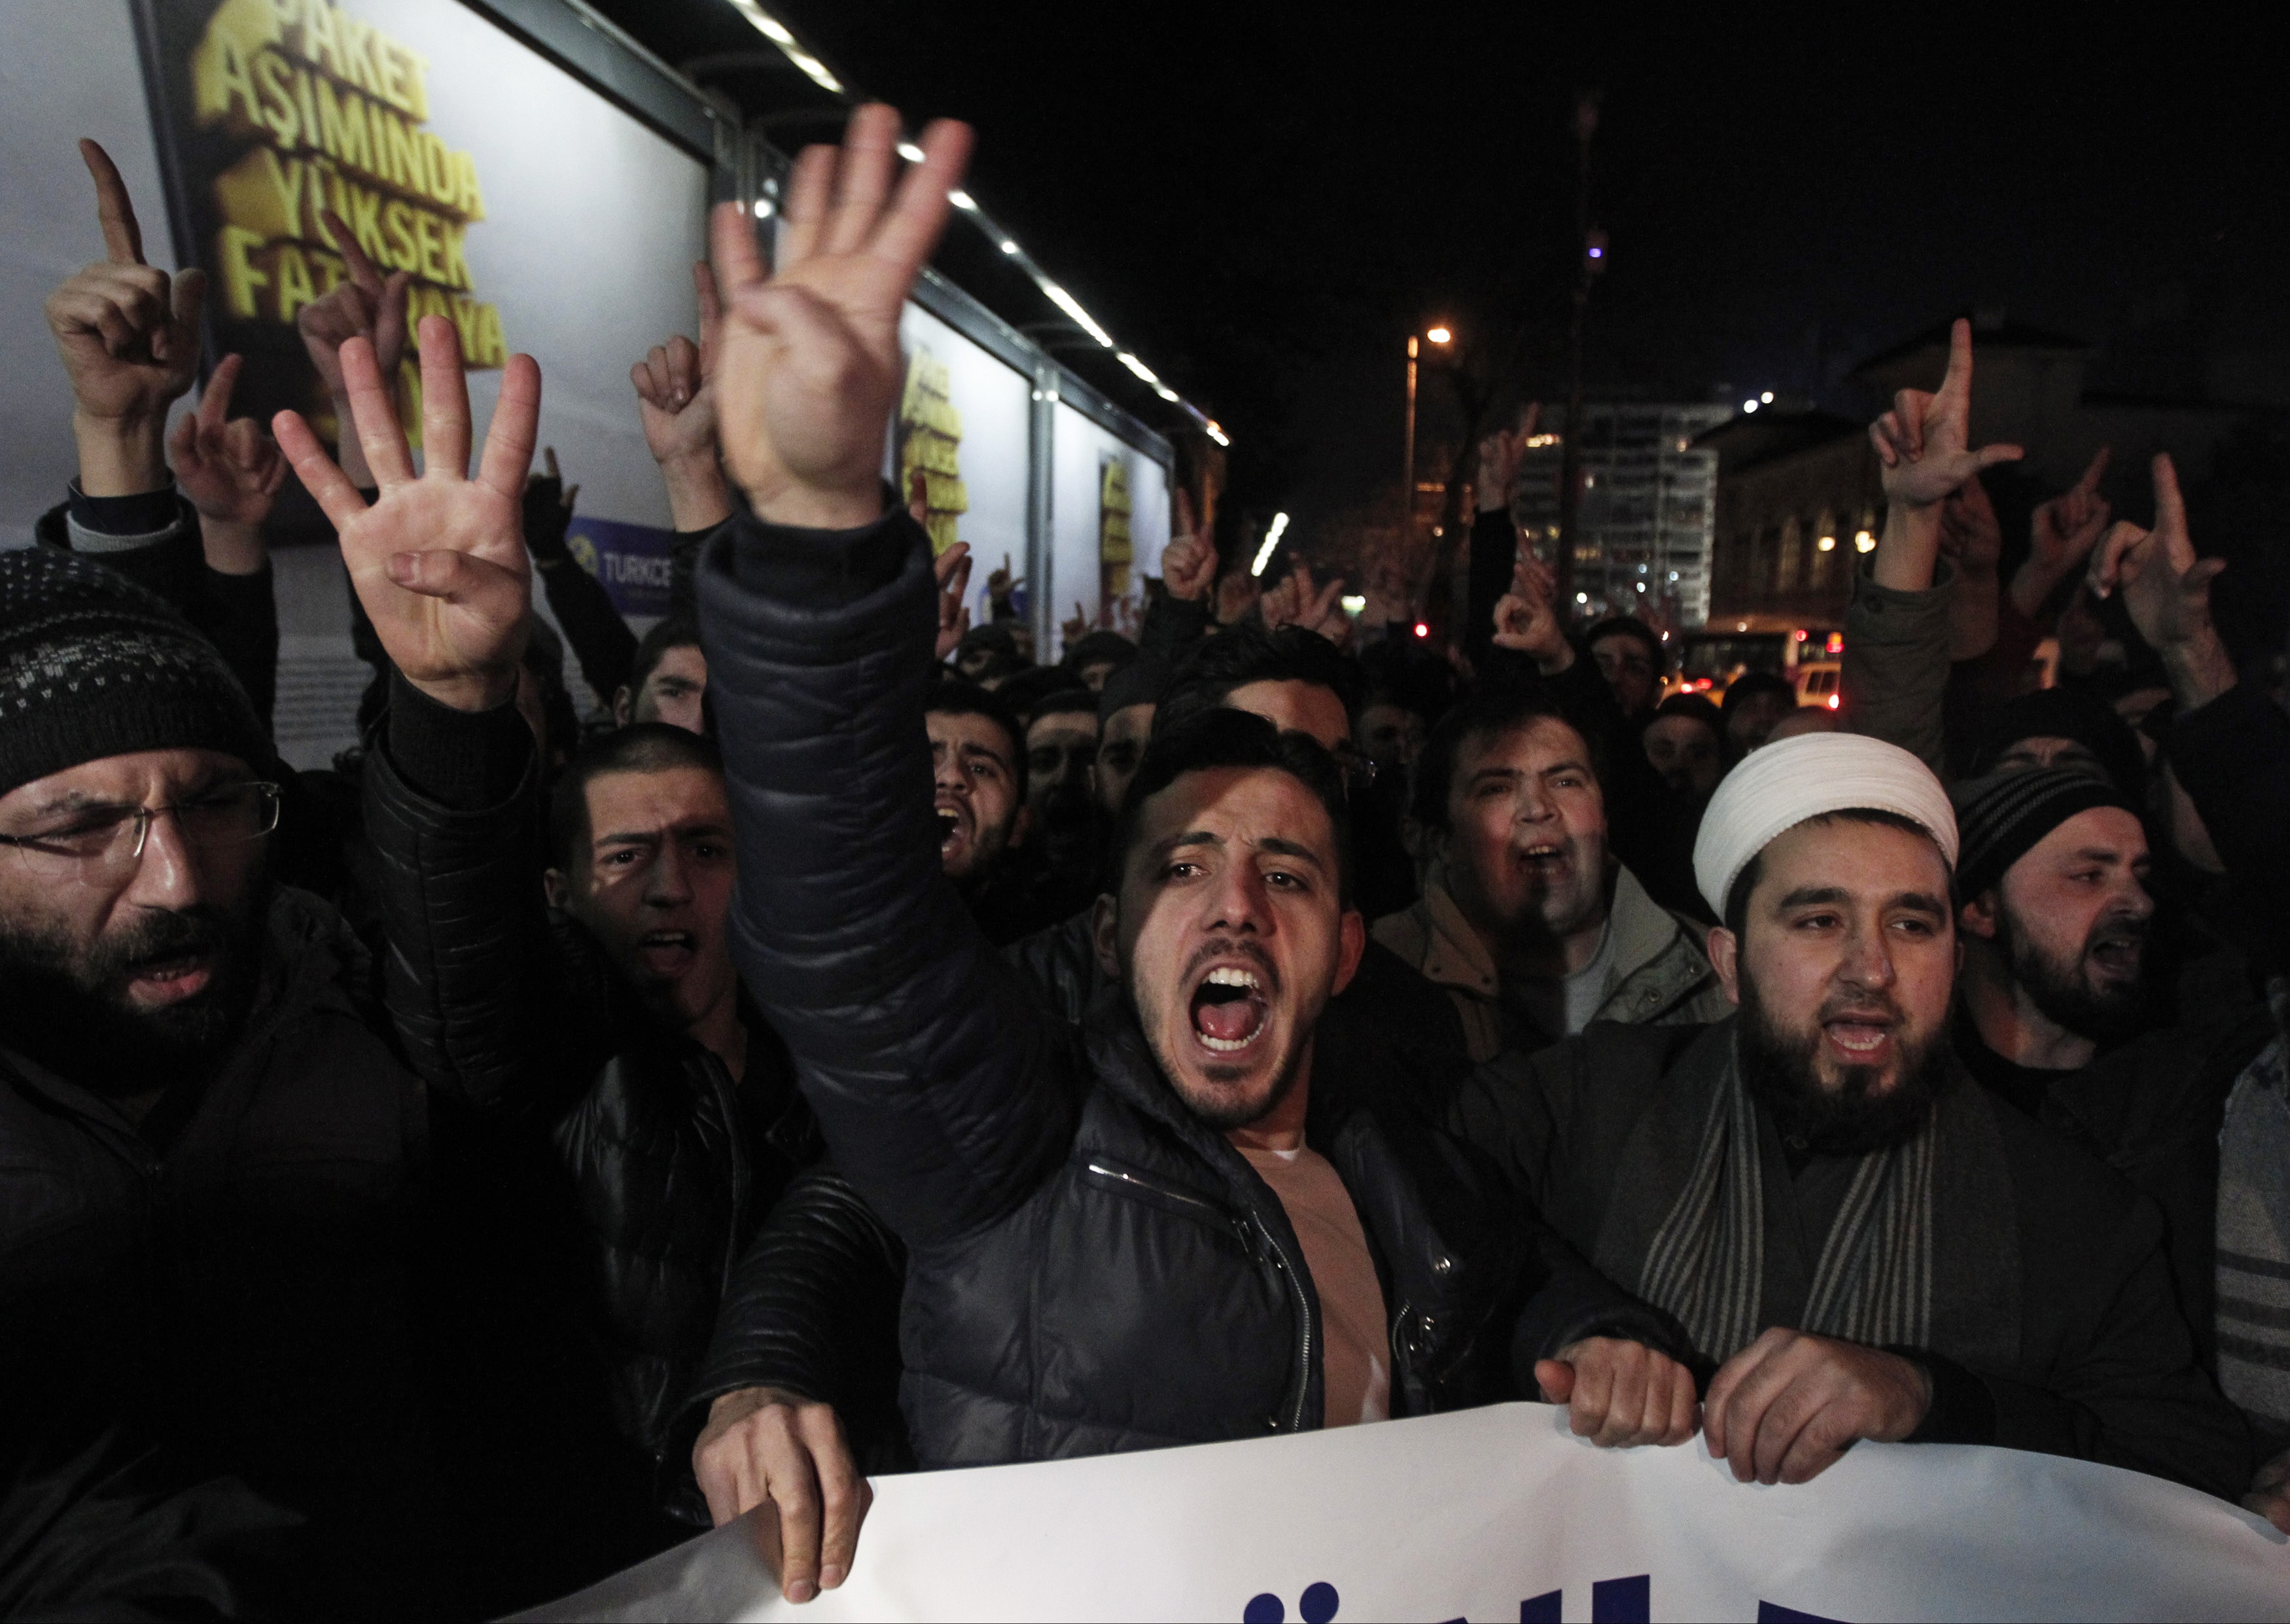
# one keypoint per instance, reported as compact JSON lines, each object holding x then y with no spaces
{"x":1287,"y":1266}
{"x":1304,"y":1325}
{"x":1167,"y":1192}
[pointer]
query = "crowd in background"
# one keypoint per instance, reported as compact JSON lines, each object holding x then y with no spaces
{"x":435,"y":1181}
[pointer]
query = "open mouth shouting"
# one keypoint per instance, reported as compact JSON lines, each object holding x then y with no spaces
{"x":1545,"y":859}
{"x":1228,"y":1010}
{"x":668,"y":953}
{"x":1861,"y":1037}
{"x":2116,"y":955}
{"x":955,"y":825}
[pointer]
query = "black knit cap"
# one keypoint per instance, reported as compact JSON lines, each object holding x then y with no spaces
{"x":92,"y":665}
{"x":2001,"y":818}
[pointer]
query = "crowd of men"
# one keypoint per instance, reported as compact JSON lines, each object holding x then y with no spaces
{"x":429,"y":1184}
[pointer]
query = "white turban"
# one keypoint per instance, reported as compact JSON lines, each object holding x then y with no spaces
{"x":1781,"y":786}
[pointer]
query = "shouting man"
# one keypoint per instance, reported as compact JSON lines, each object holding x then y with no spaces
{"x":1858,"y":1244}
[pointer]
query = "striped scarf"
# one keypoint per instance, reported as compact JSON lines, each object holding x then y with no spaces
{"x":1873,"y":1283}
{"x":2253,"y":1242}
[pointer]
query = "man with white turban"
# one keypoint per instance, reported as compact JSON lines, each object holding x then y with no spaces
{"x":1854,"y":1241}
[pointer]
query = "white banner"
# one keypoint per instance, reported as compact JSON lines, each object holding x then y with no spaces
{"x":1502,"y":1514}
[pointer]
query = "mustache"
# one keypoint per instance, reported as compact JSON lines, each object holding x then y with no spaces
{"x":154,"y":938}
{"x":1849,"y":1007}
{"x":1227,"y":947}
{"x":2124,"y":924}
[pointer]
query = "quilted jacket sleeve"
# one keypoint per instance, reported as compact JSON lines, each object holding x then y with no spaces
{"x":939,"y":1082}
{"x":814,"y":1308}
{"x":490,"y":1004}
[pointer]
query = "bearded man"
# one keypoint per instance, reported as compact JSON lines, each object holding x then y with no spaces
{"x":1857,"y":1242}
{"x":207,"y":1188}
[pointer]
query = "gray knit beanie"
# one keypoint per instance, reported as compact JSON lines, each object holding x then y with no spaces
{"x":92,"y":666}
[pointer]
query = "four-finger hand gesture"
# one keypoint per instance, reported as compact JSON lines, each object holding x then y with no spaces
{"x":1923,"y":442}
{"x":810,"y":370}
{"x":438,"y":561}
{"x":228,"y":467}
{"x":952,"y":569}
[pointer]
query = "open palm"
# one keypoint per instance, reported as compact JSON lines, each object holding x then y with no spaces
{"x":809,"y":370}
{"x":437,"y":561}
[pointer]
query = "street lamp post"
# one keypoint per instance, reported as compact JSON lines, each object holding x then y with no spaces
{"x":1437,"y":335}
{"x":1590,"y":259}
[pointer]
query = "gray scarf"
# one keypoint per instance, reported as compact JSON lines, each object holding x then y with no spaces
{"x":1873,"y":1282}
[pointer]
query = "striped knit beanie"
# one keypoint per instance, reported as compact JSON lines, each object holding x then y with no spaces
{"x":2001,"y":818}
{"x":91,"y":666}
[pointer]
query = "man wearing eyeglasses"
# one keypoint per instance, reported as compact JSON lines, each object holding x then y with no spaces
{"x":205,"y":1153}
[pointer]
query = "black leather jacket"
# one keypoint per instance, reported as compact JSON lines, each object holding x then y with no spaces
{"x":642,"y":1169}
{"x":1091,"y":1267}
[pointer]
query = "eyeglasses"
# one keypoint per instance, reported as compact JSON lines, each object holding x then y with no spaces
{"x":102,"y":844}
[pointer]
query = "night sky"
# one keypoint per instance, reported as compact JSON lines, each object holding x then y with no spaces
{"x":1262,"y":202}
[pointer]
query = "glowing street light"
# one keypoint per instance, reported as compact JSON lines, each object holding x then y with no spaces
{"x":1439,"y":335}
{"x":1272,"y":535}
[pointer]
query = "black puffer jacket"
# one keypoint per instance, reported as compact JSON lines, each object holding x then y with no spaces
{"x":1092,"y":1268}
{"x":644,"y":1169}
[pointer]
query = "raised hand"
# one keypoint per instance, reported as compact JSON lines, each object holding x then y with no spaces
{"x":228,"y":467}
{"x":438,"y":561}
{"x":547,"y":511}
{"x":129,"y":336}
{"x":365,"y":304}
{"x":2168,"y":590}
{"x":1295,"y":602}
{"x":676,"y":399}
{"x":1922,"y":441}
{"x":1189,"y":564}
{"x":1969,"y":531}
{"x":1001,"y":586}
{"x":810,"y":371}
{"x":1235,"y":595}
{"x":1527,"y":618}
{"x":952,"y":569}
{"x":2061,"y":537}
{"x":1077,"y":627}
{"x":230,"y":470}
{"x":1499,"y":458}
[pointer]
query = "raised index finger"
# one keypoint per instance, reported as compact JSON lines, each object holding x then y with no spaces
{"x":2089,"y":483}
{"x":361,"y":269}
{"x":123,"y":238}
{"x":2171,"y":509}
{"x":1958,"y":384}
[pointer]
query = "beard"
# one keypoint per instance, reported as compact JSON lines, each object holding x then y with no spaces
{"x":1781,"y":1069}
{"x":69,"y":1008}
{"x":1224,"y":1104}
{"x":2105,"y":1012}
